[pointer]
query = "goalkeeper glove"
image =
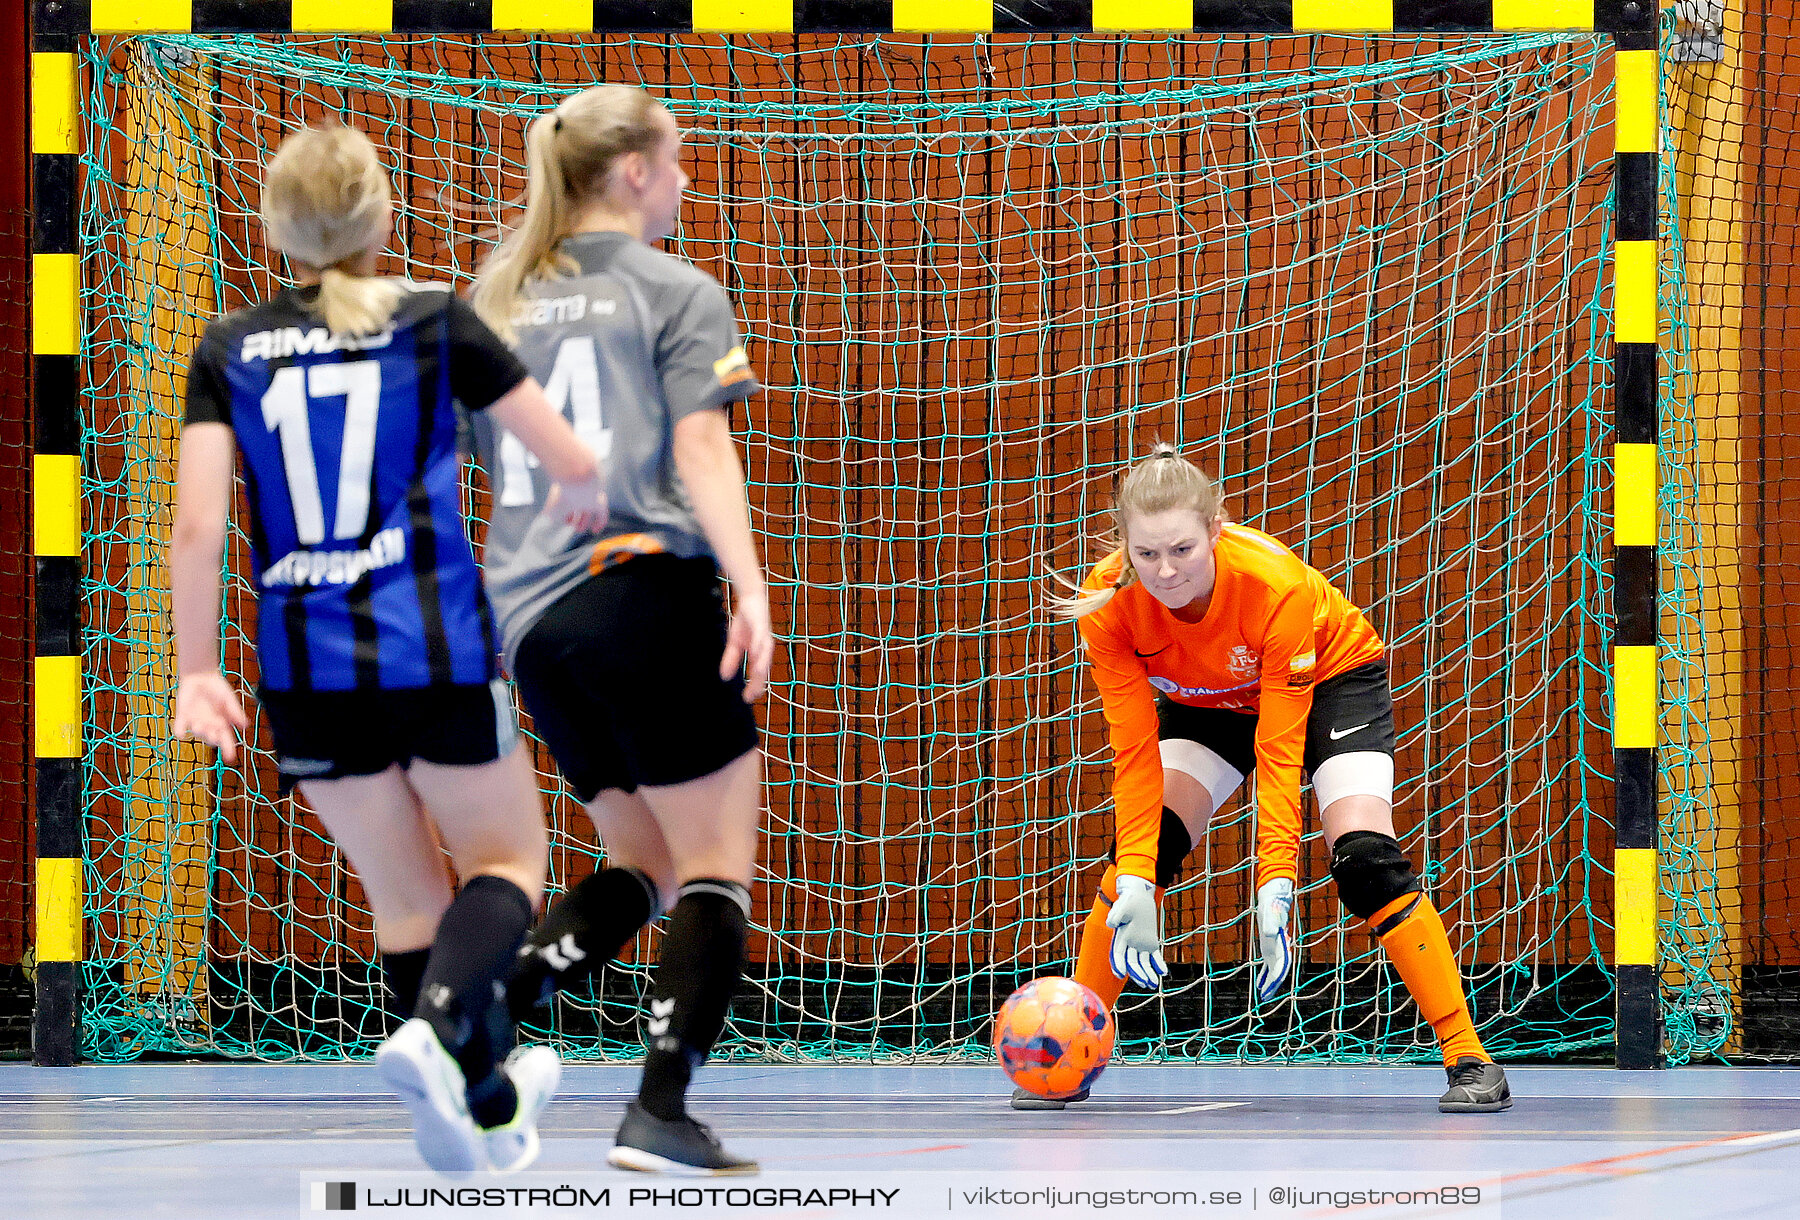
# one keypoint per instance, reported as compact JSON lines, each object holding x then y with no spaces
{"x":1137,"y":933}
{"x":1274,"y":903}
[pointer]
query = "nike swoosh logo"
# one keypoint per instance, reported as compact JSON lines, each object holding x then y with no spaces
{"x":1335,"y":734}
{"x":1158,"y":652}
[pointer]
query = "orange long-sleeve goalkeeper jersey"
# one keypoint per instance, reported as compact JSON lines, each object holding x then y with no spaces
{"x":1274,"y":627}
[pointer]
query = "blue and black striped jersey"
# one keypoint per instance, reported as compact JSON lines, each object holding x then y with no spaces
{"x":364,"y":574}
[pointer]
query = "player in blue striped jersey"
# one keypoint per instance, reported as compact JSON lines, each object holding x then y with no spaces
{"x":375,"y":645}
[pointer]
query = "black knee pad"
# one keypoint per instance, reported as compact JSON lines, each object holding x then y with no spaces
{"x":1371,"y":871}
{"x":1172,"y":847}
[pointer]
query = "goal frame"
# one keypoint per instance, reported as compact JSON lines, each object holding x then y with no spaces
{"x":60,"y":26}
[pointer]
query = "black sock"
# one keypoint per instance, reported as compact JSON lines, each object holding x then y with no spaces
{"x":493,"y":1101}
{"x":461,"y":993}
{"x":702,"y":961}
{"x":582,"y":931}
{"x":403,"y":972}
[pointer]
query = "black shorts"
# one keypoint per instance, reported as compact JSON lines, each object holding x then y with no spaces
{"x":333,"y":734}
{"x":1351,"y":713}
{"x":621,"y":677}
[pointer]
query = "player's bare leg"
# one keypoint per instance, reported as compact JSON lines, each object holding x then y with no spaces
{"x":443,"y":1062}
{"x":379,"y":825}
{"x":491,"y":850}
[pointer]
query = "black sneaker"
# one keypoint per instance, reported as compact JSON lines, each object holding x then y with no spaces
{"x":1025,"y":1099}
{"x":1476,"y":1087}
{"x":659,"y":1145}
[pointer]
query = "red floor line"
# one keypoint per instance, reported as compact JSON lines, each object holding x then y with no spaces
{"x":1604,"y":1163}
{"x":1600,"y":1166}
{"x":858,"y":1156}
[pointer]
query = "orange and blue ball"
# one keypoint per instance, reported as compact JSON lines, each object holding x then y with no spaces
{"x":1053,"y":1036}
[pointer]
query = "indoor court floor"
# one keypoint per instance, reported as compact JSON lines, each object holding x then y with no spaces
{"x":246,"y":1141}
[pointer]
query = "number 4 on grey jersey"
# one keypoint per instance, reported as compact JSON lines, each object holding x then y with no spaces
{"x":626,"y":348}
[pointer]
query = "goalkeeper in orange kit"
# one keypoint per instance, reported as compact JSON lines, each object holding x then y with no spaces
{"x":1218,"y":652}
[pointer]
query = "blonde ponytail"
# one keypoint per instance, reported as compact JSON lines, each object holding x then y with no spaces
{"x":569,"y":155}
{"x":356,"y":304}
{"x":1165,"y":480}
{"x":327,"y":203}
{"x":529,"y":252}
{"x":1077,"y":601}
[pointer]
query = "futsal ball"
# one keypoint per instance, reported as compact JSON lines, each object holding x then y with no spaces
{"x":1053,"y":1036}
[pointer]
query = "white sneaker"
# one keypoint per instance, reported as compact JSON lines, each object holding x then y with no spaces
{"x":535,"y":1071}
{"x":415,"y":1065}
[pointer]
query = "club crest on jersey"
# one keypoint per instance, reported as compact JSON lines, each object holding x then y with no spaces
{"x":285,"y":341}
{"x":1300,"y":671}
{"x":732,"y":367}
{"x":1243,"y":663}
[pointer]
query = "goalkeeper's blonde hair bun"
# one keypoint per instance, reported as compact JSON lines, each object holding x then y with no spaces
{"x":1163,"y":481}
{"x":326,"y":202}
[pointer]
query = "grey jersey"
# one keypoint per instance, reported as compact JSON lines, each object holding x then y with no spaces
{"x":626,"y":348}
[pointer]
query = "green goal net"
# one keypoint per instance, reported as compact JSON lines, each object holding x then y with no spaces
{"x":1361,"y":279}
